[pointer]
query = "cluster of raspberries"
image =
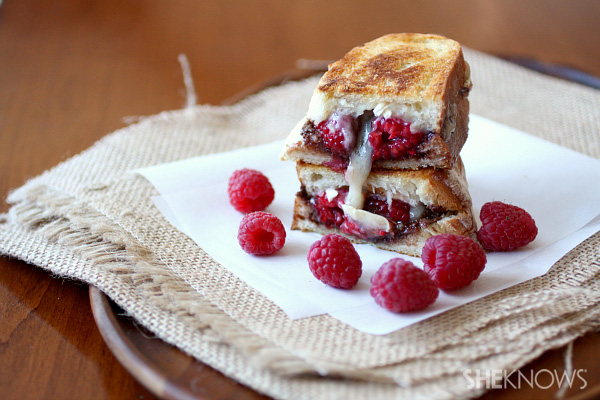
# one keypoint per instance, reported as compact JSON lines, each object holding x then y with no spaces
{"x":450,"y":262}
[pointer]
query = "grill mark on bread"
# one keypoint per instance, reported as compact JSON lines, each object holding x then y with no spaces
{"x":396,"y":64}
{"x":387,"y":72}
{"x":397,"y":68}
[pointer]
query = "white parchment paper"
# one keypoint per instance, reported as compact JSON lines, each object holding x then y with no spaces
{"x":560,"y":188}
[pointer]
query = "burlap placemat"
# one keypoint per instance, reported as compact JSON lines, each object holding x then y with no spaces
{"x":91,"y":220}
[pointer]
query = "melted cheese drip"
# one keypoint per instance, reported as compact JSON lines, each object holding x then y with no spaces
{"x":331,"y":194}
{"x":359,"y":166}
{"x":417,"y":211}
{"x":368,"y":220}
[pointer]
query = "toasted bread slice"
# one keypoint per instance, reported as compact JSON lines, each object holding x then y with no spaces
{"x":436,"y":201}
{"x":421,"y":80}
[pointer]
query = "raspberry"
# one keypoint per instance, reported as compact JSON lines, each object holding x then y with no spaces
{"x":249,"y":190}
{"x":505,"y":227}
{"x":329,"y":211}
{"x":334,"y":261}
{"x":399,"y":286}
{"x":398,"y":210}
{"x":352,"y":227}
{"x":391,"y":138}
{"x":452,"y":261}
{"x":339,"y":133}
{"x":261,"y":233}
{"x":331,"y":214}
{"x":337,"y":164}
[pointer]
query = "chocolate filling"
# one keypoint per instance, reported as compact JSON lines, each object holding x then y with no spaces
{"x":399,"y":230}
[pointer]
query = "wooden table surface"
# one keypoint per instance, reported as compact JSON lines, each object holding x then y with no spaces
{"x":72,"y":70}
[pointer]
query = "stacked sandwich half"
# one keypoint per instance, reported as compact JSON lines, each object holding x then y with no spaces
{"x":378,"y":151}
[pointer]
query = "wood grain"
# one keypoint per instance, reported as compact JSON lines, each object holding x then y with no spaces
{"x":71,"y":70}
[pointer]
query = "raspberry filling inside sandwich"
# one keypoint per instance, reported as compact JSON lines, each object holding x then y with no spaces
{"x":339,"y":133}
{"x":391,"y":138}
{"x":330,"y":209}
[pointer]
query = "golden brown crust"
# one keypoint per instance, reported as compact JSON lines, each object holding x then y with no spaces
{"x":459,"y":136}
{"x":410,"y":65}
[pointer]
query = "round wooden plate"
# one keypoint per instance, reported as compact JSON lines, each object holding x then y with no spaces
{"x":163,"y":369}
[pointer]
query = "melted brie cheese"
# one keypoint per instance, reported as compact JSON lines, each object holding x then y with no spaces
{"x":367,"y":220}
{"x":359,"y":166}
{"x":331,"y":194}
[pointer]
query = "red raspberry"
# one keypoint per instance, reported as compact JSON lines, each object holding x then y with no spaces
{"x":505,"y":227}
{"x":392,"y":138}
{"x":452,"y":261}
{"x":339,"y":133}
{"x":398,"y":211}
{"x":352,"y":227}
{"x":331,"y":214}
{"x":334,"y":261}
{"x":337,"y":164}
{"x":249,"y":190}
{"x":261,"y":233}
{"x":399,"y":286}
{"x":329,"y":211}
